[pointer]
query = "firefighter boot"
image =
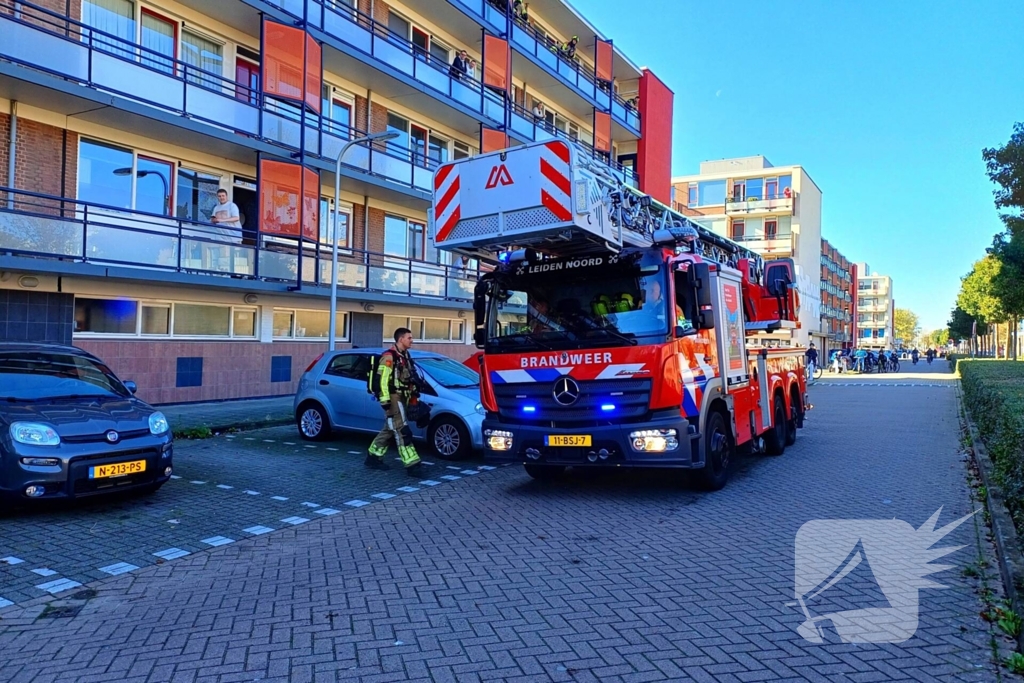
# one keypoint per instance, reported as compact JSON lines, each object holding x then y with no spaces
{"x":415,"y":470}
{"x":375,"y":460}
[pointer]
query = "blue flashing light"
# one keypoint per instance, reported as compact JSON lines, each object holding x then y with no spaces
{"x":529,"y":409}
{"x":504,"y":256}
{"x":608,"y":407}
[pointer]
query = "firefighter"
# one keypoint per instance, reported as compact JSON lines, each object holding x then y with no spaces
{"x":397,"y":393}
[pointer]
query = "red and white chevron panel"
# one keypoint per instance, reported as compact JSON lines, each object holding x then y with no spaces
{"x":555,"y":187}
{"x":447,"y":208}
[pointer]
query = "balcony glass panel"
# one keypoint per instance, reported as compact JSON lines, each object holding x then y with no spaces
{"x":522,"y":126}
{"x":121,"y":76}
{"x":312,"y":141}
{"x":523,"y":39}
{"x":466,"y":95}
{"x":224,"y":110}
{"x":494,"y":109}
{"x":460,"y":288}
{"x":385,"y":278}
{"x":281,"y":129}
{"x":548,"y":58}
{"x":495,"y":18}
{"x":426,"y":283}
{"x":604,"y":99}
{"x":619,"y":111}
{"x":293,"y":7}
{"x":341,"y":26}
{"x":396,"y":56}
{"x":351,"y":275}
{"x":422,"y":177}
{"x":116,"y":243}
{"x":31,"y":46}
{"x":278,"y":265}
{"x":390,"y":167}
{"x":429,"y":76}
{"x":217,"y":258}
{"x":20,"y":232}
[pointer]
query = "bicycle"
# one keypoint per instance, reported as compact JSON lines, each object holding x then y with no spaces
{"x":894,"y":365}
{"x":814,"y":372}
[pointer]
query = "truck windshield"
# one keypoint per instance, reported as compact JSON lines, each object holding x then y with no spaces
{"x":562,"y":311}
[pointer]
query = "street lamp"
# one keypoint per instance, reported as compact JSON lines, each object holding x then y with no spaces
{"x":383,"y":136}
{"x":142,"y":174}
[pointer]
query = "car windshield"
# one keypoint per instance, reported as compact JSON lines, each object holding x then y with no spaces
{"x":39,"y":375}
{"x":541,"y":311}
{"x":448,"y":373}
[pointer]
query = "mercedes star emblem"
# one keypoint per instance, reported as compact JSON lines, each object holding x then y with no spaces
{"x":566,"y":391}
{"x":113,"y":436}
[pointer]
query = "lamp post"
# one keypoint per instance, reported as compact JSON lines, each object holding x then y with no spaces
{"x":142,"y":174}
{"x":374,"y":137}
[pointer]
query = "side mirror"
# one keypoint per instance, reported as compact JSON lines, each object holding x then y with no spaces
{"x":700,"y":277}
{"x":685,"y":331}
{"x":131,"y":386}
{"x":479,"y":303}
{"x":707,"y":320}
{"x":479,"y":337}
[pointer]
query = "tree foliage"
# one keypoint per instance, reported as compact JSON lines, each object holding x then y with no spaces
{"x":977,"y":292}
{"x":938,"y":337}
{"x":906,"y":324}
{"x":961,"y":324}
{"x":1005,"y":168}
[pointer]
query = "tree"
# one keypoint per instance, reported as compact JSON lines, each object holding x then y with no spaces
{"x":938,"y":337}
{"x":906,"y":324}
{"x":978,"y":297}
{"x":1005,"y":168}
{"x":961,"y":325}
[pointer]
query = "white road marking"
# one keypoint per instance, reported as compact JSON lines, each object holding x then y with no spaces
{"x":311,"y":505}
{"x":224,"y":486}
{"x":486,"y":468}
{"x":257,"y":530}
{"x":426,"y":462}
{"x":217,"y":540}
{"x":43,"y":571}
{"x":252,"y":493}
{"x":356,"y":503}
{"x":278,"y":498}
{"x":171,"y":553}
{"x":288,"y":443}
{"x":449,"y":467}
{"x":295,"y":520}
{"x":119,"y":568}
{"x":5,"y":603}
{"x":407,"y":489}
{"x":11,"y":560}
{"x":197,"y":482}
{"x":309,"y":445}
{"x":327,"y":511}
{"x":430,"y":482}
{"x":470,"y":472}
{"x":450,"y":477}
{"x":175,"y":476}
{"x":355,"y":452}
{"x":383,"y":496}
{"x":59,"y":585}
{"x":268,"y":441}
{"x":332,"y":449}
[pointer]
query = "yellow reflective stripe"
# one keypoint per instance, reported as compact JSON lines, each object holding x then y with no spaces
{"x":385,"y":381}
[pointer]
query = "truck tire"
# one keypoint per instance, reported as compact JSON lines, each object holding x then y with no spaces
{"x":794,"y":413}
{"x":775,"y":438}
{"x":545,"y":472}
{"x":717,"y":453}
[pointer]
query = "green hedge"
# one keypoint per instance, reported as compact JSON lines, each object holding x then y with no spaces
{"x":994,"y":395}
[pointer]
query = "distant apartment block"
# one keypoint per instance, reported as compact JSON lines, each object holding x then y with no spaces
{"x":875,"y":309}
{"x":838,"y":298}
{"x":775,"y":211}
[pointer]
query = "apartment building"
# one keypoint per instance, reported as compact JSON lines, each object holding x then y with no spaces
{"x":875,"y":307}
{"x":121,"y":120}
{"x":838,"y":299}
{"x":775,"y":211}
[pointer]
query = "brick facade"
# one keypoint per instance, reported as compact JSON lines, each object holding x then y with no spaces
{"x":41,"y":157}
{"x":230,"y":369}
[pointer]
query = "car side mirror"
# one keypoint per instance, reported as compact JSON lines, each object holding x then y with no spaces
{"x":131,"y":386}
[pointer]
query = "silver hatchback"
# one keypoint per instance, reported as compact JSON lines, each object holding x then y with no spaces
{"x":332,"y":396}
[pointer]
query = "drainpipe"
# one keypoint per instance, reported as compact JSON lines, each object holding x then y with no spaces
{"x":366,"y":228}
{"x":11,"y":151}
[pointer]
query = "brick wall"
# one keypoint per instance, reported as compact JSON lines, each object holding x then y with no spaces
{"x":376,"y":232}
{"x":380,"y":10}
{"x":230,"y":369}
{"x":65,"y":8}
{"x":40,"y":152}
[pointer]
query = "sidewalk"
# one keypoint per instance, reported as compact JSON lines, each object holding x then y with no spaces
{"x":223,"y":415}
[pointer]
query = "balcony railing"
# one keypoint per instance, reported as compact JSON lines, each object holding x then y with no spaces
{"x":53,"y":43}
{"x":376,"y":40}
{"x":544,"y":51}
{"x":773,"y":204}
{"x":45,"y":226}
{"x":769,"y":237}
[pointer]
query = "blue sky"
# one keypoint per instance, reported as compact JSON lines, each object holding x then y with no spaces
{"x":886,"y":104}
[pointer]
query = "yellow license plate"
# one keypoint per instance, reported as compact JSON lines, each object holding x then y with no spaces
{"x":118,"y":469}
{"x":567,"y":440}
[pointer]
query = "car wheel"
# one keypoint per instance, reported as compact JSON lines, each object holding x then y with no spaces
{"x":313,"y":423}
{"x":717,"y":453}
{"x":545,"y":472}
{"x":775,"y":438}
{"x":450,"y":439}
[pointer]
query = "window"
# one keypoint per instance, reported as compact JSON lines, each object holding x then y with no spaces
{"x":710,"y":192}
{"x":105,"y":316}
{"x":771,"y":188}
{"x":156,"y":319}
{"x":398,"y":25}
{"x":337,"y":113}
{"x":160,"y":38}
{"x":737,"y":230}
{"x":439,"y":52}
{"x":349,"y":365}
{"x":326,"y":223}
{"x":116,"y":17}
{"x":118,"y":178}
{"x":403,"y":237}
{"x":247,"y":76}
{"x":243,"y":322}
{"x":425,"y":329}
{"x":197,"y":195}
{"x":771,"y":228}
{"x":691,"y":196}
{"x":785,"y":183}
{"x":460,"y":150}
{"x":202,"y":320}
{"x":202,"y":54}
{"x":399,"y":125}
{"x":739,"y":189}
{"x":437,"y":149}
{"x":300,"y":324}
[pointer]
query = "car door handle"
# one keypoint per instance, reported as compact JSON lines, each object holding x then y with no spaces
{"x":324,"y":382}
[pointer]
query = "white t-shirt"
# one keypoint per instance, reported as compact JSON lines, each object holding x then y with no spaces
{"x":227,"y":214}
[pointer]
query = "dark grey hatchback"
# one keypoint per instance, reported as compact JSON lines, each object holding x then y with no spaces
{"x":69,"y":428}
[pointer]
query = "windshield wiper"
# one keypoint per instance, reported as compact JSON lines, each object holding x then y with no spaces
{"x":525,"y":339}
{"x":629,"y":339}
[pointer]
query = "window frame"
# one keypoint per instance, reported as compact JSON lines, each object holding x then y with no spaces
{"x":136,"y":154}
{"x":341,"y":315}
{"x":166,"y":303}
{"x":419,"y":322}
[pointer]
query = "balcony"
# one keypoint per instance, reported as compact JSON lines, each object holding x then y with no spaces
{"x":775,"y":244}
{"x":41,"y":227}
{"x":543,"y":53}
{"x":758,"y":206}
{"x":242,"y":117}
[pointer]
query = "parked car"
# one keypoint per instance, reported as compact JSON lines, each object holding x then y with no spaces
{"x":332,"y":395}
{"x":70,"y":428}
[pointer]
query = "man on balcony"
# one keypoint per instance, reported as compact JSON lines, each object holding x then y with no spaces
{"x":460,"y":65}
{"x":228,"y":219}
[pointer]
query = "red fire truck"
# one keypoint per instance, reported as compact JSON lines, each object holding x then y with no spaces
{"x":615,"y":331}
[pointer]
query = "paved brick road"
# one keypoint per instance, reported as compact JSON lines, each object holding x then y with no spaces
{"x":495,"y":577}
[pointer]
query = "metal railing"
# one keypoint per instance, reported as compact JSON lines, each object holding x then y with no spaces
{"x":46,"y":226}
{"x":763,"y":236}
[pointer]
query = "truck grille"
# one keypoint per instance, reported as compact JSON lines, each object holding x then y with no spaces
{"x":629,"y":396}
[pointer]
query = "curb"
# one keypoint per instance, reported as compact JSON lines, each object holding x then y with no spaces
{"x":1011,"y":561}
{"x":240,"y":426}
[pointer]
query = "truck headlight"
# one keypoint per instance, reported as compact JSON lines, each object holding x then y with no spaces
{"x":654,"y":440}
{"x":34,"y":434}
{"x":498,"y":440}
{"x":158,"y":424}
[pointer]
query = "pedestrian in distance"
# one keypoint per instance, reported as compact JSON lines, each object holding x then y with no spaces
{"x":812,"y":360}
{"x":395,"y":386}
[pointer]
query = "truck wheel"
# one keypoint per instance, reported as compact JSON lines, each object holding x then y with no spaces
{"x":791,"y":422}
{"x":775,"y":438}
{"x":545,"y":472}
{"x":717,"y":453}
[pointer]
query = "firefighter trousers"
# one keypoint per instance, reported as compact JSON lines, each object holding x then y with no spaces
{"x":395,"y":428}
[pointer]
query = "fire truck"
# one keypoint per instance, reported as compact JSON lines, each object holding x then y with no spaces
{"x":615,"y":332}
